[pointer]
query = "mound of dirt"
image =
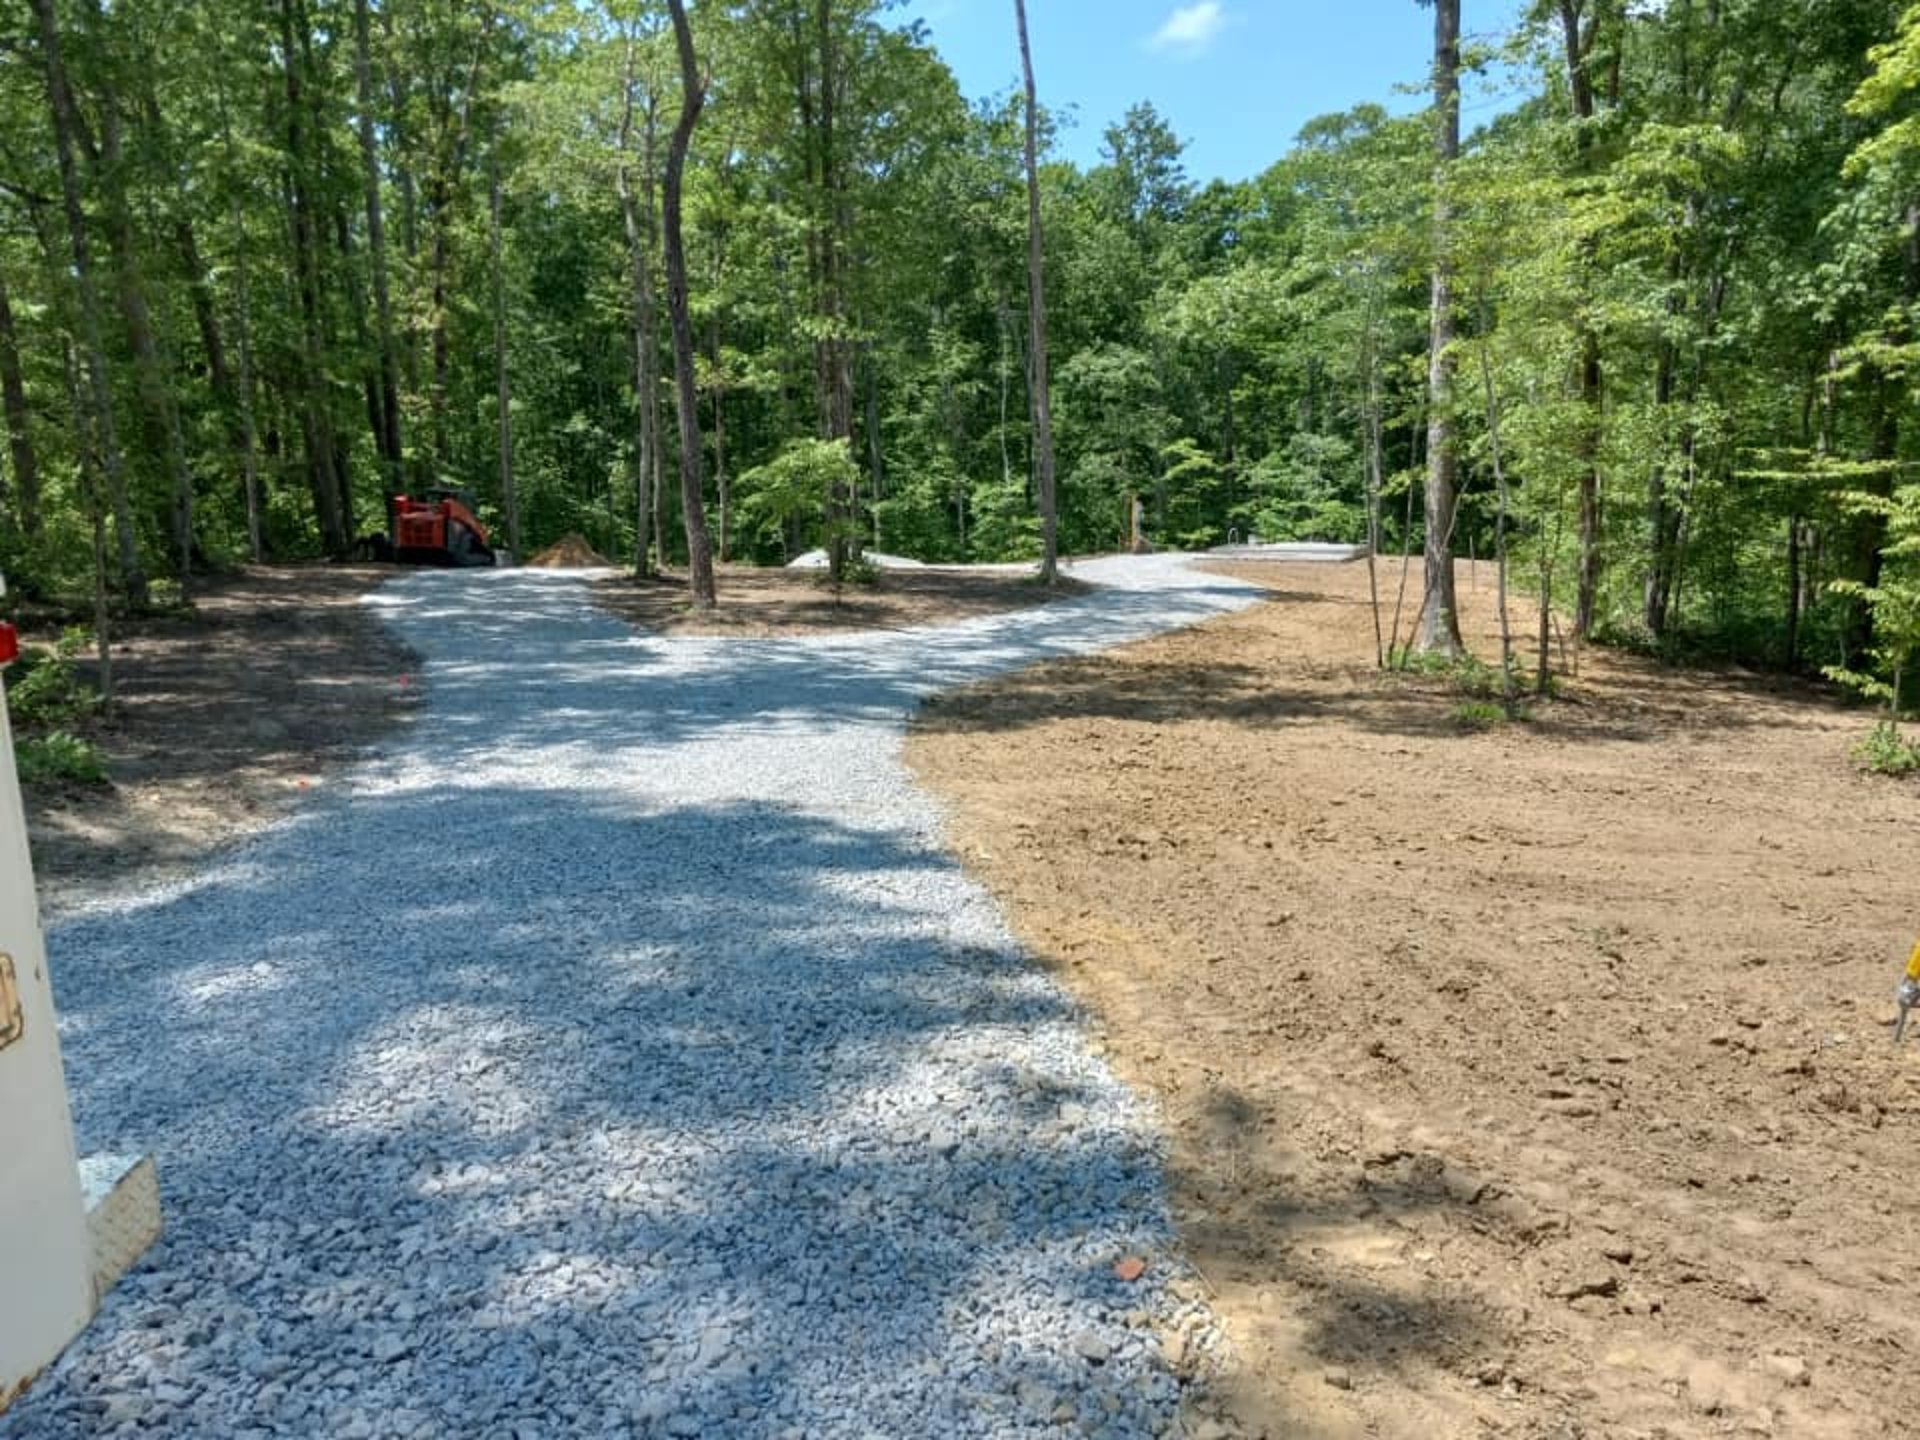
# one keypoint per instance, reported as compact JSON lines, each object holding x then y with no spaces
{"x":570,"y":552}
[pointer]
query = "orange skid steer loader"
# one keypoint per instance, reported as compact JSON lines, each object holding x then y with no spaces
{"x":439,"y":529}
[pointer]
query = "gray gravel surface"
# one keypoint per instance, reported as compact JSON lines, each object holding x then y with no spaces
{"x":621,"y":1054}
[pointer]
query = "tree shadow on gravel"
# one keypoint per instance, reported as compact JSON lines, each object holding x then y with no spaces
{"x":459,"y":1128}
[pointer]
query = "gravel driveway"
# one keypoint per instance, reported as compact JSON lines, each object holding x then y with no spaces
{"x":620,"y":1054}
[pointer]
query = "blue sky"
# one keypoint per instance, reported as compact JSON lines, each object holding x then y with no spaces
{"x":1236,"y":78}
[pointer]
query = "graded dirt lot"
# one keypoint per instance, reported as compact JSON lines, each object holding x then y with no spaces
{"x":766,"y":602}
{"x":1532,"y":1081}
{"x":224,"y":716}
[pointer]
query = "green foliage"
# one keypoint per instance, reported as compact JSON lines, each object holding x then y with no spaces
{"x":798,"y":487}
{"x":60,"y":757}
{"x":1887,"y":752}
{"x":1486,"y":715}
{"x":1311,"y":490}
{"x":1723,"y":242}
{"x":45,"y":692}
{"x":1467,"y":675}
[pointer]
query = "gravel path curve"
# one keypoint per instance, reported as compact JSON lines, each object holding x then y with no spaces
{"x":620,"y":1055}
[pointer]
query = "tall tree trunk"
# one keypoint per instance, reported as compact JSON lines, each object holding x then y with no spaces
{"x":159,"y":413}
{"x":1371,"y":420}
{"x":876,"y":448}
{"x":640,"y":284}
{"x":1439,"y":616}
{"x":1579,"y":31}
{"x":720,"y":480}
{"x":388,"y":440}
{"x":1039,"y":387}
{"x":363,"y":348}
{"x":244,"y":388}
{"x":650,"y":226}
{"x":693,"y":96}
{"x":206,"y":312}
{"x":452,"y":141}
{"x":398,"y":88}
{"x":92,"y":494}
{"x":1507,"y":689}
{"x":1870,"y":530}
{"x":1795,"y":565}
{"x":316,"y":417}
{"x":509,"y":497}
{"x":99,"y":390}
{"x":13,"y":403}
{"x":832,"y":222}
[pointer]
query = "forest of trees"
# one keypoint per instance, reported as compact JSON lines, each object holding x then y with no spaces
{"x":264,"y":263}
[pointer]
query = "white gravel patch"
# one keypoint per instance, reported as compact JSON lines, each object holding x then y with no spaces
{"x":620,"y":1055}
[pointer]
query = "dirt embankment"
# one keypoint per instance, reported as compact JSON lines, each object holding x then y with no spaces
{"x":762,"y":603}
{"x":223,"y":718}
{"x":1532,"y":1081}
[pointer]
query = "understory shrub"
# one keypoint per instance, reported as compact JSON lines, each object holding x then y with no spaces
{"x":1887,"y":752}
{"x":60,"y":755}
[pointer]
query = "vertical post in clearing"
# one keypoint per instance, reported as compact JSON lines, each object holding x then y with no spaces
{"x":68,"y":1228}
{"x":44,"y":1265}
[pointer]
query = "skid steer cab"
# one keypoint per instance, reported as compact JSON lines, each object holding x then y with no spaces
{"x":439,"y":528}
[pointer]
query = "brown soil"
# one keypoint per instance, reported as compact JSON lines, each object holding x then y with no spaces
{"x":569,"y":552}
{"x":763,"y":602}
{"x":224,"y":718}
{"x":1526,"y":1082}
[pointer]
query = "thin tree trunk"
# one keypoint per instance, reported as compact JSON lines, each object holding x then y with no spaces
{"x":25,"y":499}
{"x":509,"y":497}
{"x":1579,"y":38}
{"x":722,"y":484}
{"x":693,"y":96}
{"x":99,"y":389}
{"x":833,"y":224}
{"x":1794,"y":566}
{"x":159,"y":413}
{"x":1006,"y":451}
{"x":1658,"y":591}
{"x":1549,"y":547}
{"x":451,"y":144}
{"x":876,"y":452}
{"x":1500,"y":528}
{"x":96,"y":503}
{"x":1406,"y":561}
{"x":370,"y":388}
{"x":1587,"y":598}
{"x":316,"y":420}
{"x":650,"y":403}
{"x":388,"y":439}
{"x":641,"y":286}
{"x":397,"y":88}
{"x":1440,"y":619}
{"x":243,"y":301}
{"x":1370,"y":366}
{"x":1039,"y":392}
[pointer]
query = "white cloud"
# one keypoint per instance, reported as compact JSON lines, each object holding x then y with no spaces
{"x":1190,"y":29}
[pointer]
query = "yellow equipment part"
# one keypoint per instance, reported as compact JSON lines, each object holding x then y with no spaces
{"x":1913,"y":966}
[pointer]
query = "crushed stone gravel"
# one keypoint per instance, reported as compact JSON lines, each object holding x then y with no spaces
{"x":622,"y":1054}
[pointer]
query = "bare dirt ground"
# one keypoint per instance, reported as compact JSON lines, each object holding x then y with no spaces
{"x":1527,"y":1082}
{"x":758,"y":602}
{"x":224,"y":717}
